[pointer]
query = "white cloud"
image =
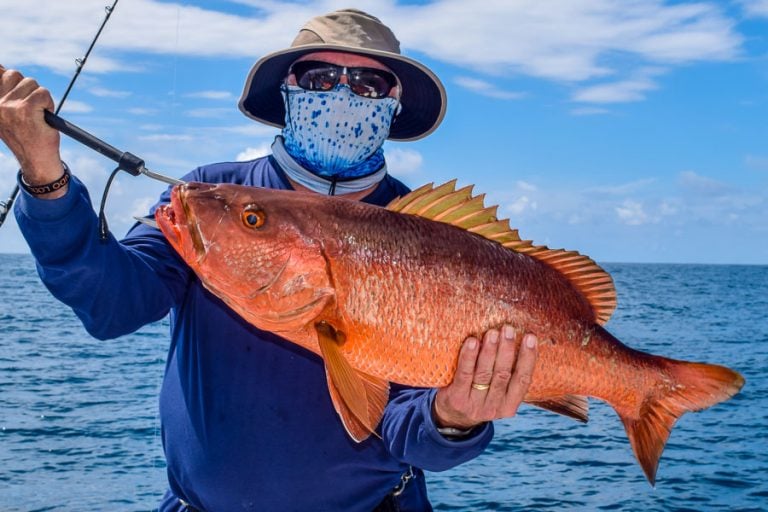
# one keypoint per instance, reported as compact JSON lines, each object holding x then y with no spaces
{"x":525,"y":186}
{"x":166,"y":137}
{"x":103,"y":92}
{"x":565,"y":39}
{"x":211,"y":95}
{"x":208,"y":113}
{"x":562,"y":40}
{"x":252,"y":153}
{"x":522,"y":204}
{"x":631,"y":213}
{"x":141,"y":206}
{"x":253,"y":129}
{"x":757,"y":8}
{"x":622,"y":188}
{"x":589,"y":111}
{"x":76,"y":107}
{"x":401,"y":162}
{"x":667,"y":208}
{"x":30,"y":32}
{"x":141,"y":111}
{"x":486,"y":88}
{"x":701,"y":184}
{"x":525,"y":198}
{"x":631,"y":89}
{"x":92,"y":172}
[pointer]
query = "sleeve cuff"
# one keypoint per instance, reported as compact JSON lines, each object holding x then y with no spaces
{"x":480,"y":434}
{"x":50,"y":209}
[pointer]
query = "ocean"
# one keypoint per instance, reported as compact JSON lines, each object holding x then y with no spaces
{"x":79,"y":428}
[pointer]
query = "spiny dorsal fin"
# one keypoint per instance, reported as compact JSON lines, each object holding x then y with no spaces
{"x":461,"y":209}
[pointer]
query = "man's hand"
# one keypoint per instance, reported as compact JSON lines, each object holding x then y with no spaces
{"x":491,"y":379}
{"x":23,"y":129}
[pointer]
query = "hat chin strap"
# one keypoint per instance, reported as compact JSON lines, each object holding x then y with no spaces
{"x":318,"y":184}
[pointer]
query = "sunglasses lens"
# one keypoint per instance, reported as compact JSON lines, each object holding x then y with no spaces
{"x":316,"y":76}
{"x":323,"y":76}
{"x":371,"y":83}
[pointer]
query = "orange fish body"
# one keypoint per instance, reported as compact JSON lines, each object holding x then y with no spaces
{"x":390,"y":294}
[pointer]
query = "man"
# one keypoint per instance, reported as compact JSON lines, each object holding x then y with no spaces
{"x":247,"y":422}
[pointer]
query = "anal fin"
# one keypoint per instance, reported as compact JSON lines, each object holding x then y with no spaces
{"x":573,"y":406}
{"x":359,"y":398}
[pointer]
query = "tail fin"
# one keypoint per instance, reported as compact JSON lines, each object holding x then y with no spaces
{"x":695,"y":386}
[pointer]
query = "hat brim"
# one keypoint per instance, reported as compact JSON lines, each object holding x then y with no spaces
{"x":423,"y":97}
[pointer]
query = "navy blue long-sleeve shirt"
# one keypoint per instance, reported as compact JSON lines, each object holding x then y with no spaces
{"x":247,"y":421}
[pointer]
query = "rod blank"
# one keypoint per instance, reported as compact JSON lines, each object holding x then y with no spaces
{"x":126,"y":161}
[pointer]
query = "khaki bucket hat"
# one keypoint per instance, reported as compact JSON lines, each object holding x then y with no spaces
{"x":423,"y":97}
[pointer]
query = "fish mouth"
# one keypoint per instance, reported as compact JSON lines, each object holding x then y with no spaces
{"x":174,"y":217}
{"x":193,"y":227}
{"x":165,"y":216}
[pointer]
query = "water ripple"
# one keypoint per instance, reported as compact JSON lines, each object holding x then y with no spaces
{"x":66,"y":445}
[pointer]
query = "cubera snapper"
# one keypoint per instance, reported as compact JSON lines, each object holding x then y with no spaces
{"x":389,"y":295}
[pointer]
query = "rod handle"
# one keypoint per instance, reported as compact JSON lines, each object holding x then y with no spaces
{"x":126,"y":161}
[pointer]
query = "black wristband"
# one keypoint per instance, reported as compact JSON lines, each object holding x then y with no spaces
{"x":40,"y":190}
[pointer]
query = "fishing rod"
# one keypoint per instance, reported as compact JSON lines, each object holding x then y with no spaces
{"x":5,"y":206}
{"x":125,"y":161}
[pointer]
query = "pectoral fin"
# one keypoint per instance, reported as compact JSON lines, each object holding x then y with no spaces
{"x":358,"y":398}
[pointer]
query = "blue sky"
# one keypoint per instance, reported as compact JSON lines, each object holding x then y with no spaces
{"x":629,"y":130}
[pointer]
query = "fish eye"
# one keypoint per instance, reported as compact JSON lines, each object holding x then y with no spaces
{"x":254,"y":217}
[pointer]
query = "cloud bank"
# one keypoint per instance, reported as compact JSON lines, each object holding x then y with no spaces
{"x":603,"y":47}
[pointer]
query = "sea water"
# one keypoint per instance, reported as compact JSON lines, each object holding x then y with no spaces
{"x":79,"y":428}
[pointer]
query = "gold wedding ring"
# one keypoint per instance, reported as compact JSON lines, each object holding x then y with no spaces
{"x":480,"y":387}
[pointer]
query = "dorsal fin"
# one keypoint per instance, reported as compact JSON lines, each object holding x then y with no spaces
{"x":461,"y":209}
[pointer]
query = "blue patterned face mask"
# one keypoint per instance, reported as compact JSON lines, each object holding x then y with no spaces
{"x":336,"y":133}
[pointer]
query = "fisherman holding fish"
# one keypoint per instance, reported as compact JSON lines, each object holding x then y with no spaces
{"x":247,"y":420}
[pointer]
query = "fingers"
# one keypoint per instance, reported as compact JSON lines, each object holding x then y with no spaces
{"x":40,"y":96}
{"x":23,"y":128}
{"x":27,"y":89}
{"x":509,"y":361}
{"x":522,"y":376}
{"x":486,"y":360}
{"x":491,"y":379}
{"x":465,"y":370}
{"x":504,"y":365}
{"x":9,"y":79}
{"x":15,"y":86}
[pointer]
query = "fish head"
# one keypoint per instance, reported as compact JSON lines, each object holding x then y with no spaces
{"x":249,"y":247}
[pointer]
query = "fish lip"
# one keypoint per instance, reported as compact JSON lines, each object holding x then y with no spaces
{"x":180,"y":202}
{"x":167,"y":219}
{"x":172,"y":216}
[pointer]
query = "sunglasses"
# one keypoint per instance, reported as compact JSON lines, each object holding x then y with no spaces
{"x":323,"y":76}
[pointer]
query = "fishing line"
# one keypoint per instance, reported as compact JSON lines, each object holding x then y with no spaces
{"x":5,"y":206}
{"x":103,"y":227}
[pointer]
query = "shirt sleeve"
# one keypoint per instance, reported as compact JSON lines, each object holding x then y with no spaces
{"x":114,"y":287}
{"x":410,"y":433}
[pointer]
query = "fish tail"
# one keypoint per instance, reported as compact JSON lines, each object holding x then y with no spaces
{"x":695,"y":386}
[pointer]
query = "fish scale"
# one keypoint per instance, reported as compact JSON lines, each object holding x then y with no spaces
{"x":390,"y":295}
